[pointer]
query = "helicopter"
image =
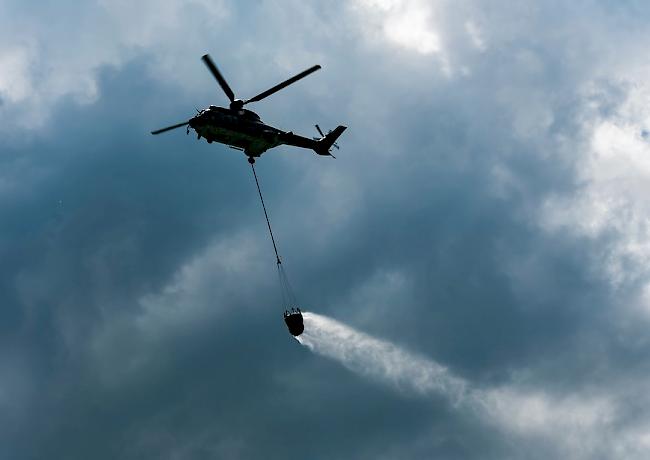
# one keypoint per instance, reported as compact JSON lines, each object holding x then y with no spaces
{"x":243,"y":129}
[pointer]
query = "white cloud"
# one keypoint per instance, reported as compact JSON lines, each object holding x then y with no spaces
{"x":406,"y":23}
{"x":15,"y":79}
{"x":614,"y":183}
{"x":204,"y":288}
{"x":476,"y":35}
{"x":57,"y":53}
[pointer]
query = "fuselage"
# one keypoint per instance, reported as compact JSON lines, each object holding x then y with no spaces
{"x":242,"y":129}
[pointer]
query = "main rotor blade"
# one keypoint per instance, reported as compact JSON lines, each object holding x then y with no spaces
{"x":285,"y":83}
{"x":222,"y":81}
{"x":169,"y":128}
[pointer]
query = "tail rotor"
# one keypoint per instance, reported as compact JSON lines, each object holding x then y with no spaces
{"x":327,"y":141}
{"x":320,"y":131}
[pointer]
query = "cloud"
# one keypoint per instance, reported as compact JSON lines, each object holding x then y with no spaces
{"x":612,"y":183}
{"x":486,"y":209}
{"x":47,"y":60}
{"x":406,"y":23}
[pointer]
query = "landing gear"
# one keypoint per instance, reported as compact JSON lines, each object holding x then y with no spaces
{"x":251,"y":160}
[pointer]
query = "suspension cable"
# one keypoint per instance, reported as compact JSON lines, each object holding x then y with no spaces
{"x":268,"y":222}
{"x":288,"y":296}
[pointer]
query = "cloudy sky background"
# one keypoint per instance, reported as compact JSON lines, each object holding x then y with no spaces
{"x":485,"y":226}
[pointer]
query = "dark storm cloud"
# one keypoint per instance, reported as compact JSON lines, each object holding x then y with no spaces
{"x":140,"y":314}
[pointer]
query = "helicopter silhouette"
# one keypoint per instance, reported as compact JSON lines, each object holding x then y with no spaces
{"x":243,"y":129}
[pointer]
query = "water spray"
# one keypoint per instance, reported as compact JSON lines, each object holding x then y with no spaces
{"x":379,"y":359}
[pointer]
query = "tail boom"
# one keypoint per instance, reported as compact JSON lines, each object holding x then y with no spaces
{"x":321,"y":146}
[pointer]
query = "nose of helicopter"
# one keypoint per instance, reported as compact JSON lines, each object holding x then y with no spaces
{"x":196,"y":121}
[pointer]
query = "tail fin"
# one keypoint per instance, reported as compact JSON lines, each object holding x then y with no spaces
{"x":324,"y":145}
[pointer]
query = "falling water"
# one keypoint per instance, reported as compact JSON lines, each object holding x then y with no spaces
{"x":571,"y":421}
{"x":378,"y":359}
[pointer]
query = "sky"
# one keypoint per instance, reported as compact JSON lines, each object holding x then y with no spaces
{"x":474,"y":262}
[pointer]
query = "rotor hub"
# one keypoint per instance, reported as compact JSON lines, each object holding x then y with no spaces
{"x":237,"y":104}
